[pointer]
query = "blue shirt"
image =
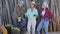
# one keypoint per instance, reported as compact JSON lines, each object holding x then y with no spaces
{"x":32,"y":14}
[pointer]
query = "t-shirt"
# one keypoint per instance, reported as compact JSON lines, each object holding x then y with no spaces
{"x":43,"y":13}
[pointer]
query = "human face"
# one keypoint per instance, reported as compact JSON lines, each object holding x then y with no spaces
{"x":20,"y":5}
{"x":43,"y":6}
{"x":32,"y":6}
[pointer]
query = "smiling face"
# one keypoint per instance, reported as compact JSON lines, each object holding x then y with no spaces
{"x":43,"y":6}
{"x":32,"y":5}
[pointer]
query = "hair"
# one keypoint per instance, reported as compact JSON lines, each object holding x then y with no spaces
{"x":32,"y":4}
{"x":46,"y":9}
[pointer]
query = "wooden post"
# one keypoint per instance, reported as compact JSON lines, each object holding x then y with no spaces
{"x":7,"y":7}
{"x":57,"y":13}
{"x":53,"y":9}
{"x":0,"y":12}
{"x":54,"y":22}
{"x":27,"y":4}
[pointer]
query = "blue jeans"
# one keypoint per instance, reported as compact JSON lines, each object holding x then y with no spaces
{"x":15,"y":23}
{"x":23,"y":22}
{"x":44,"y":23}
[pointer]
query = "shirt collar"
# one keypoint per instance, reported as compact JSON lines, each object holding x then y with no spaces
{"x":33,"y":10}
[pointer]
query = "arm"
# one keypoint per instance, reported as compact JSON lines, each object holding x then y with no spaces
{"x":36,"y":12}
{"x":26,"y":14}
{"x":51,"y":15}
{"x":39,"y":12}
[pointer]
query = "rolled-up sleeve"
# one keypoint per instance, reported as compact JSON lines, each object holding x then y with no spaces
{"x":36,"y":12}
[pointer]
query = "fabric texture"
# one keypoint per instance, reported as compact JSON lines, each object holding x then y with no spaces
{"x":43,"y":24}
{"x":31,"y":20}
{"x":48,"y":14}
{"x":33,"y":24}
{"x":30,"y":14}
{"x":43,"y":13}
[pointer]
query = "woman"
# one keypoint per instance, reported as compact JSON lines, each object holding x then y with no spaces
{"x":46,"y":16}
{"x":32,"y":13}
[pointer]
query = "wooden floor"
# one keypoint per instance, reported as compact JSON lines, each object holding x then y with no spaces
{"x":51,"y":33}
{"x":54,"y":32}
{"x":25,"y":32}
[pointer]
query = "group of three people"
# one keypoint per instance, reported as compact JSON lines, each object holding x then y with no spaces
{"x":32,"y":14}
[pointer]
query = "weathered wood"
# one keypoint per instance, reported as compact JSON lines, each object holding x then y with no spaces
{"x":10,"y":6}
{"x":57,"y":13}
{"x":27,"y":4}
{"x":0,"y":12}
{"x":0,"y":31}
{"x":7,"y":6}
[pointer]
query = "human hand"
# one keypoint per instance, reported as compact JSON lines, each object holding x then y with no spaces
{"x":34,"y":15}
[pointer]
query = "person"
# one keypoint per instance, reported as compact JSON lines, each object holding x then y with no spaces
{"x":46,"y":16}
{"x":20,"y":10}
{"x":32,"y":14}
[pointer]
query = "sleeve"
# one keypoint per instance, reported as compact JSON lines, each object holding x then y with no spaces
{"x":51,"y":14}
{"x":40,"y":12}
{"x":37,"y":12}
{"x":27,"y":12}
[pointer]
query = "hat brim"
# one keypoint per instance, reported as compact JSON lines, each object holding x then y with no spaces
{"x":33,"y":3}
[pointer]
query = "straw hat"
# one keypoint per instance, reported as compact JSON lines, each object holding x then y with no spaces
{"x":33,"y":3}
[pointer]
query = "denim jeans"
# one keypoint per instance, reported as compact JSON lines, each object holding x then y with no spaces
{"x":44,"y":23}
{"x":23,"y":22}
{"x":15,"y":23}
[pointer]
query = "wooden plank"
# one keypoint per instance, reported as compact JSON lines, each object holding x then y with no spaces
{"x":57,"y":13}
{"x":7,"y":7}
{"x":0,"y":12}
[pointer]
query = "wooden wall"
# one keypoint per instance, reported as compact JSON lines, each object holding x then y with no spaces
{"x":7,"y":7}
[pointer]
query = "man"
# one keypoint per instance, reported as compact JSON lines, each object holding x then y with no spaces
{"x":32,"y":13}
{"x":20,"y":10}
{"x":46,"y":16}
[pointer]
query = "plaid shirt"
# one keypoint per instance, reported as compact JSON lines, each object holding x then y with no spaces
{"x":48,"y":14}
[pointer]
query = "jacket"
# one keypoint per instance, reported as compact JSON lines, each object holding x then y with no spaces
{"x":48,"y":14}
